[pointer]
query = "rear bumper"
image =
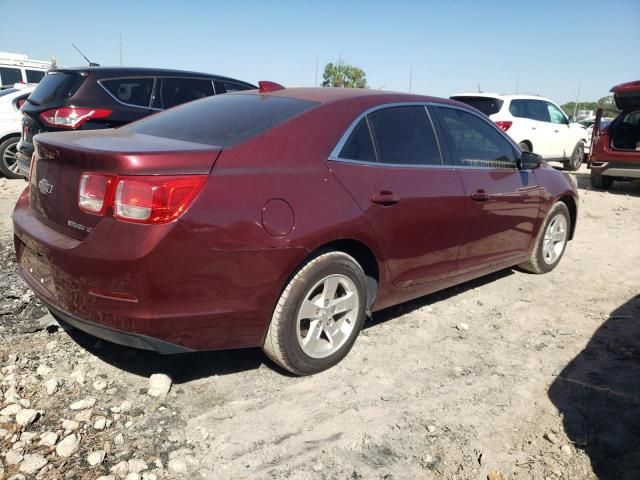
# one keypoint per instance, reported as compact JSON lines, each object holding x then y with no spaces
{"x":616,"y":169}
{"x":24,"y":164}
{"x":161,"y":288}
{"x":113,"y":335}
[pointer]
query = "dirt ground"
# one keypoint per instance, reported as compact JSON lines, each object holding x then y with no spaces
{"x":542,"y":385}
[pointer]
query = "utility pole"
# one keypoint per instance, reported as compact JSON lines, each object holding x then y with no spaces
{"x":120,"y":48}
{"x":410,"y":76}
{"x":575,"y":109}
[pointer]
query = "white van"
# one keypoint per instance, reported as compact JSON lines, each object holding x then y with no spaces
{"x":18,"y":68}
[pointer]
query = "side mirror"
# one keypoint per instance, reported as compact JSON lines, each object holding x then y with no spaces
{"x":529,"y":161}
{"x":571,"y":119}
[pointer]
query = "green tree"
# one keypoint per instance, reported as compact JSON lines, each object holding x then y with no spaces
{"x":343,"y":75}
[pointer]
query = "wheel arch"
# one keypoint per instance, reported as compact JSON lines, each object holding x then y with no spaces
{"x":7,"y":136}
{"x":570,"y":202}
{"x":528,"y":143}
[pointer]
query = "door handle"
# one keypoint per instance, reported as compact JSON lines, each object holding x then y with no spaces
{"x":385,"y":198}
{"x":556,"y":131}
{"x":533,"y":128}
{"x":480,"y":196}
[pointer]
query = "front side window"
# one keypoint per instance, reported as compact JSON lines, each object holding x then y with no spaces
{"x":359,"y":145}
{"x":132,"y":91}
{"x":9,"y":76}
{"x":176,"y":91}
{"x":34,"y":76}
{"x":474,"y":142}
{"x":404,"y":136}
{"x":555,"y":114}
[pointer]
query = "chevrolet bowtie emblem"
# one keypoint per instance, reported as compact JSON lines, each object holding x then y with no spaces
{"x":45,"y":187}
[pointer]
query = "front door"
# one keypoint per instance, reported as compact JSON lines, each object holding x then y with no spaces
{"x":391,"y":164}
{"x":502,"y":202}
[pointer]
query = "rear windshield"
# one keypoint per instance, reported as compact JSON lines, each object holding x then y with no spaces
{"x":223,"y":120}
{"x":486,"y":105}
{"x":56,"y":87}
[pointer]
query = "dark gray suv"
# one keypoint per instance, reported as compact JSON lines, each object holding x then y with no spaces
{"x":88,"y":98}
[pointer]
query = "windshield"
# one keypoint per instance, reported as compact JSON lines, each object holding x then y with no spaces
{"x":223,"y":120}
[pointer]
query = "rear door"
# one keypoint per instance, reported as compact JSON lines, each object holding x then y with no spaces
{"x":501,"y":202}
{"x":532,"y":120}
{"x":392,"y":165}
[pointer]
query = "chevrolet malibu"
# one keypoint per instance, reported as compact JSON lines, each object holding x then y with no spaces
{"x":279,"y":218}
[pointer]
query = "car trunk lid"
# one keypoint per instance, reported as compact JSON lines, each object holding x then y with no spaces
{"x":60,"y":160}
{"x":627,"y":96}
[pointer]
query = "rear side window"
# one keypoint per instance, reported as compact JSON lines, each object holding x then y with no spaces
{"x":223,"y":120}
{"x":531,"y":109}
{"x":56,"y":87}
{"x":404,"y":136}
{"x":359,"y":145}
{"x":474,"y":142}
{"x":34,"y":76}
{"x":9,"y":76}
{"x":486,"y":105}
{"x":132,"y":91}
{"x":223,"y":86}
{"x":176,"y":91}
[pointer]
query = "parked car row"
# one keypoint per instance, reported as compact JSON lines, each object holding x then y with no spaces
{"x":536,"y":124}
{"x":273,"y":218}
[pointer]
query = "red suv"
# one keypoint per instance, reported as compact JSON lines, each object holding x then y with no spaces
{"x":615,"y":150}
{"x":279,"y":219}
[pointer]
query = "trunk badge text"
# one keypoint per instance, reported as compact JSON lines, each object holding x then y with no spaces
{"x":45,"y":187}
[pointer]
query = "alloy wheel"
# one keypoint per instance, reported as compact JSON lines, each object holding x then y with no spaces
{"x":10,"y":157}
{"x":555,"y":238}
{"x":327,"y":316}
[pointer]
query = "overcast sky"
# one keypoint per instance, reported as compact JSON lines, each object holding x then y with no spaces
{"x":543,"y":47}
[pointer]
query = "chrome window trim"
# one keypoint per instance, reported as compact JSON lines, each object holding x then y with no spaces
{"x":155,"y":79}
{"x":334,"y":156}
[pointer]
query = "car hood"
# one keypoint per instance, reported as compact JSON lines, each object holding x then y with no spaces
{"x":627,"y":96}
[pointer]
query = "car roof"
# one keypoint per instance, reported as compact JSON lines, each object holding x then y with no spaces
{"x":143,"y":71}
{"x":509,"y":96}
{"x":326,"y":95}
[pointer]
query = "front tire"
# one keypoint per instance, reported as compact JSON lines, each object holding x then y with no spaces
{"x":9,"y":158}
{"x":576,"y":159}
{"x":599,"y":182}
{"x":319,"y":314}
{"x":551,"y":241}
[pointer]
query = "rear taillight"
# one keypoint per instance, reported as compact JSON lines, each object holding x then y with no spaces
{"x":20,"y":102}
{"x":139,"y":199}
{"x":94,"y":192}
{"x":504,"y":125}
{"x":72,"y":117}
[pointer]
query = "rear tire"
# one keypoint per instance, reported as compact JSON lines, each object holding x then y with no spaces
{"x":599,"y":182}
{"x":551,"y":241}
{"x":319,"y":314}
{"x":9,"y":159}
{"x":576,"y":159}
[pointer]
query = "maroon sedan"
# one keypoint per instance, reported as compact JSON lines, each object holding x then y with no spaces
{"x":279,"y":219}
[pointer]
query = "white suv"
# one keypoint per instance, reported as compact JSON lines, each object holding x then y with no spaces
{"x":11,"y":127}
{"x":538,"y":125}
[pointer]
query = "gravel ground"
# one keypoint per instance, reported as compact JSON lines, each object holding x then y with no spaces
{"x":513,"y":376}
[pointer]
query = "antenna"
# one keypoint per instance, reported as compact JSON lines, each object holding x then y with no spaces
{"x":91,"y":64}
{"x":479,"y":91}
